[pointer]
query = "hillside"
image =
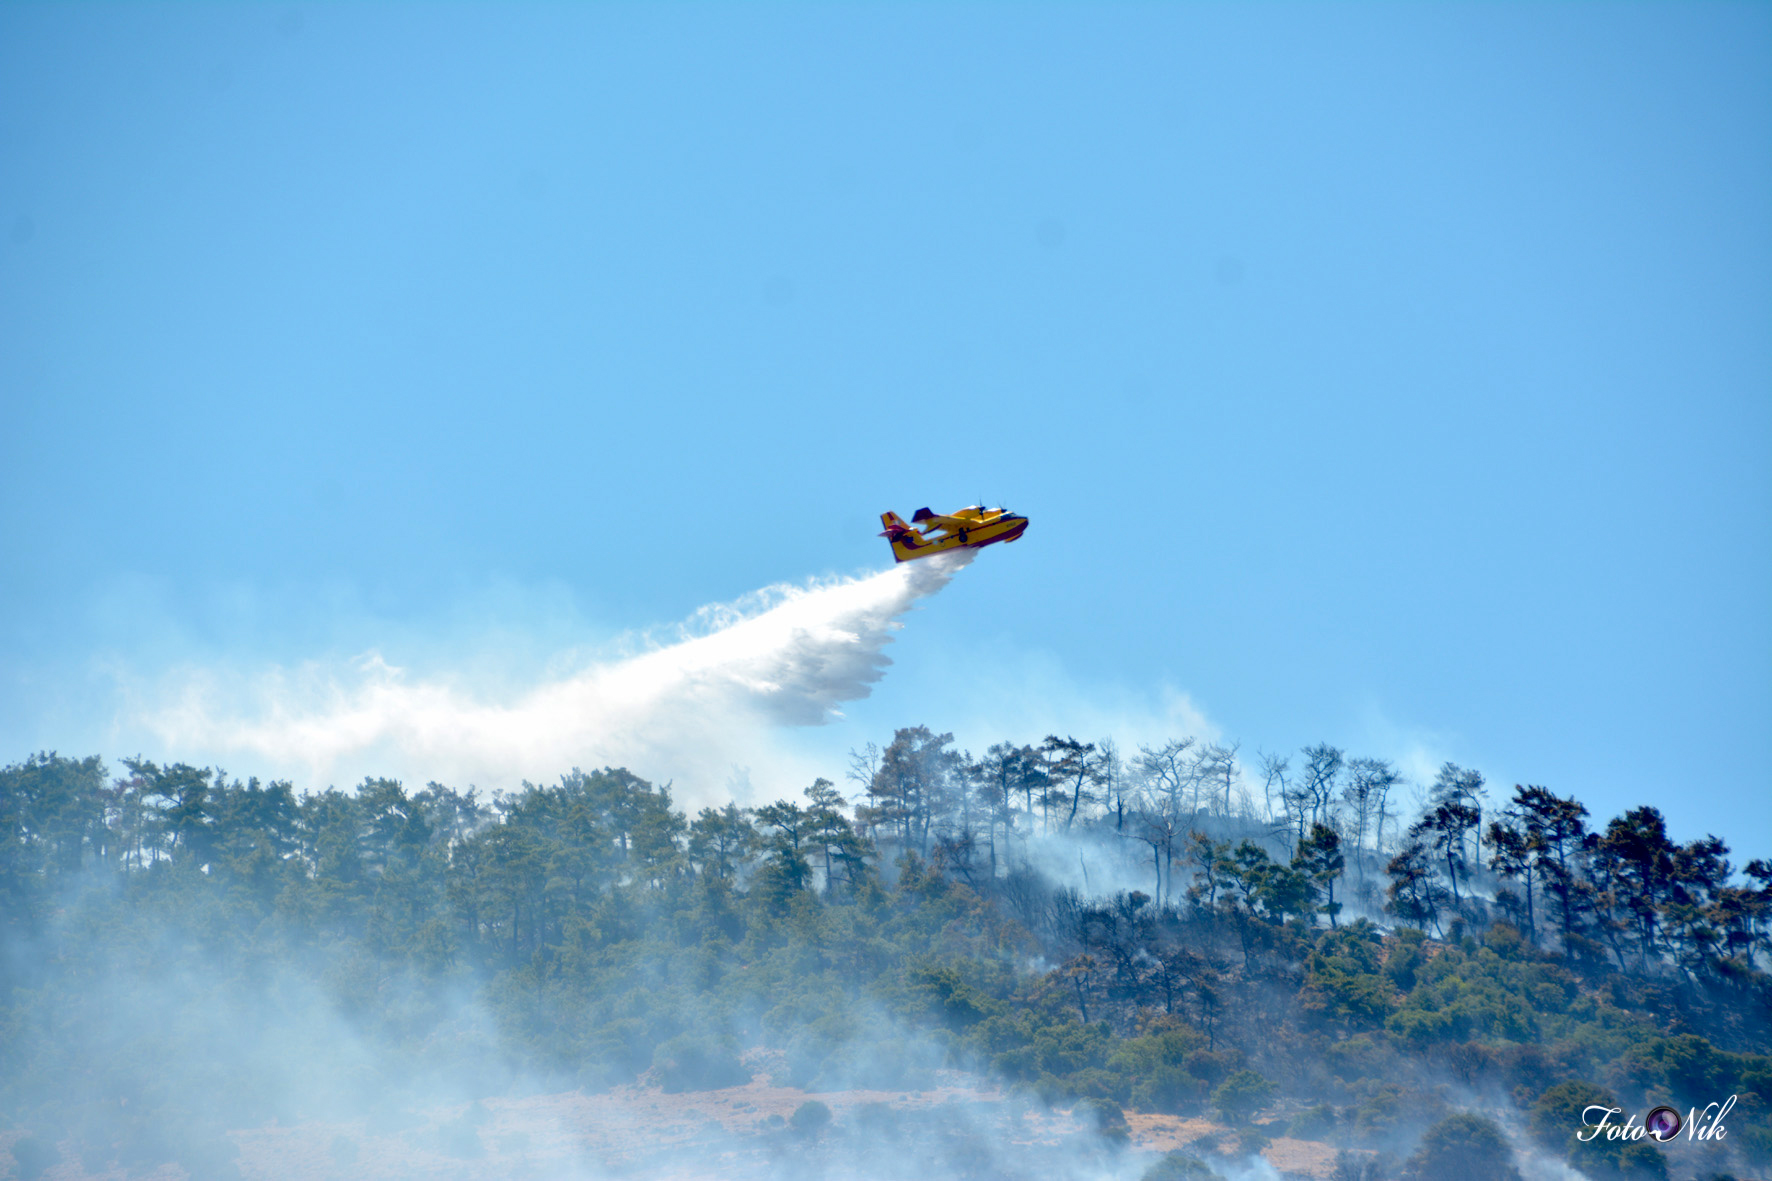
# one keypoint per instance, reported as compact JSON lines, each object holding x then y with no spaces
{"x":227,"y":978}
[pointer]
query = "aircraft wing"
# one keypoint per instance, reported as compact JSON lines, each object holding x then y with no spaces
{"x":950,"y":524}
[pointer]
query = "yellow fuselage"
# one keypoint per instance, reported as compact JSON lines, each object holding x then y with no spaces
{"x":967,"y":528}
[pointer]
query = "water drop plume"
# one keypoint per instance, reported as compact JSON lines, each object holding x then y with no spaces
{"x":694,"y":704}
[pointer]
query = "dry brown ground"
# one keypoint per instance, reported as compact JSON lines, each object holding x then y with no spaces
{"x":642,"y":1132}
{"x":1167,"y":1133}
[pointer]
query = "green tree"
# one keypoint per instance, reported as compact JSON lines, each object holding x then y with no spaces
{"x":52,"y":824}
{"x":1266,"y":887}
{"x":1368,"y":787}
{"x":720,"y":839}
{"x":1320,"y":860}
{"x":1208,"y":859}
{"x":790,"y":824}
{"x":1414,"y":894}
{"x":1516,"y":849}
{"x":1004,"y":770}
{"x":914,"y":785}
{"x":1463,"y":1147}
{"x":178,"y":799}
{"x":1665,"y":887}
{"x":1457,"y":785}
{"x":1074,"y":767}
{"x":1318,"y":785}
{"x":829,"y":834}
{"x":1555,"y":839}
{"x":1441,"y":832}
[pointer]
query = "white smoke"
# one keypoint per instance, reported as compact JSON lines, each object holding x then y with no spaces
{"x":691,"y":710}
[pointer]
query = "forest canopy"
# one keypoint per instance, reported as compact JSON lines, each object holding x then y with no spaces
{"x":1286,"y":948}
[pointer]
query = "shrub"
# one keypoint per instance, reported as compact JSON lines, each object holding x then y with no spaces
{"x":1504,"y":940}
{"x":810,"y":1118}
{"x":689,"y":1062}
{"x":1313,"y":1123}
{"x":1178,"y":1166}
{"x":1241,"y":1095}
{"x":1557,"y":1116}
{"x":1389,"y":1113}
{"x":1463,"y":1147}
{"x":1212,"y":1066}
{"x":1169,"y":1089}
{"x":1100,"y":1113}
{"x":1103,"y":1117}
{"x":1405,"y":958}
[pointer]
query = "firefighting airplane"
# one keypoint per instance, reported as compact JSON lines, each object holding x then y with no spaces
{"x":966,"y":528}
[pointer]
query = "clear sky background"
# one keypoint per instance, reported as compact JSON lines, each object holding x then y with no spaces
{"x":1397,"y":376}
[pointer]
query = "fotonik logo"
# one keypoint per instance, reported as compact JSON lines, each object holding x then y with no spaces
{"x":1661,"y":1124}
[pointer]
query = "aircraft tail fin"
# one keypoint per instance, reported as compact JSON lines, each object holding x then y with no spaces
{"x":905,"y":540}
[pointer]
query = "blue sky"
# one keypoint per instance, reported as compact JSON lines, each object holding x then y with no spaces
{"x":1396,"y":376}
